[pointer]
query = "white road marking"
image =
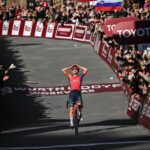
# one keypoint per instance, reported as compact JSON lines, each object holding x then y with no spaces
{"x":75,"y":145}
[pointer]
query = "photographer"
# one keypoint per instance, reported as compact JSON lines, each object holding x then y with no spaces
{"x":3,"y":77}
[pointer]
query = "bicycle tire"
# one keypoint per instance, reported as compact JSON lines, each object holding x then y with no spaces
{"x":76,"y":122}
{"x":76,"y":125}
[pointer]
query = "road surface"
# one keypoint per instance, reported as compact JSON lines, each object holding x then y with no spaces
{"x":41,"y":121}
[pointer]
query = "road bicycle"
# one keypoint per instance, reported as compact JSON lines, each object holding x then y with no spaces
{"x":76,"y":118}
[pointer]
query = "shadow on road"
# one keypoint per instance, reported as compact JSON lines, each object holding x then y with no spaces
{"x":26,"y":44}
{"x":112,"y":122}
{"x":51,"y":125}
{"x":17,"y":111}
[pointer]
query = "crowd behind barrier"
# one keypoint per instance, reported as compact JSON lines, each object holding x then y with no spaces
{"x":83,"y":24}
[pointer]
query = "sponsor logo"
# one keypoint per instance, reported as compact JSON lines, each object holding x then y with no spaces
{"x":5,"y":27}
{"x":62,"y":90}
{"x":134,"y":104}
{"x":80,"y":31}
{"x":132,"y":32}
{"x":64,"y":29}
{"x":49,"y":29}
{"x":110,"y":24}
{"x":110,"y":27}
{"x":15,"y":28}
{"x":27,"y":28}
{"x":39,"y":29}
{"x":64,"y":32}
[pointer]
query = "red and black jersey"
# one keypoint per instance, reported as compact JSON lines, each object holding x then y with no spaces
{"x":75,"y":81}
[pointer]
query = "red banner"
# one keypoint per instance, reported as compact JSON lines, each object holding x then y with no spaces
{"x":79,"y":33}
{"x":65,"y":31}
{"x":134,"y":105}
{"x":132,"y":32}
{"x":88,"y":35}
{"x":108,"y":27}
{"x":144,"y":117}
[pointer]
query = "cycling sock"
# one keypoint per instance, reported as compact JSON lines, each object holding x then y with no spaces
{"x":71,"y":120}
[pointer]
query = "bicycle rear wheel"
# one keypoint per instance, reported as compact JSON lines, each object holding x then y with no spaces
{"x":76,"y":125}
{"x":76,"y":118}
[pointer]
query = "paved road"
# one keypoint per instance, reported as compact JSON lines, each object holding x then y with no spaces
{"x":41,"y":122}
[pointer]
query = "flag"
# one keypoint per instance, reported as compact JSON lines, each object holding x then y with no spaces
{"x":92,"y":2}
{"x":109,"y":5}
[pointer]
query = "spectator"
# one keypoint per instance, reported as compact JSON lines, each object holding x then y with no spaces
{"x":44,"y":3}
{"x":147,"y":4}
{"x":3,"y":77}
{"x":1,"y":14}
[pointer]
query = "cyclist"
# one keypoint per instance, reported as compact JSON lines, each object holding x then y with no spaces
{"x":75,"y":79}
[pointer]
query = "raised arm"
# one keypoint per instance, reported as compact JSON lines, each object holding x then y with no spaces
{"x":84,"y":69}
{"x":65,"y":70}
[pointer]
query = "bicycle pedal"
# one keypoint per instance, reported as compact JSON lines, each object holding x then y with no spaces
{"x":71,"y":127}
{"x":81,"y":119}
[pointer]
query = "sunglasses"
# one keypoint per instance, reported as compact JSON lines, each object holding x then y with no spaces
{"x":75,"y":68}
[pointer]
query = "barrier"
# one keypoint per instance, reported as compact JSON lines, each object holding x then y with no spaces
{"x":82,"y":34}
{"x":144,"y":116}
{"x":64,"y":32}
{"x":79,"y":33}
{"x":134,"y":105}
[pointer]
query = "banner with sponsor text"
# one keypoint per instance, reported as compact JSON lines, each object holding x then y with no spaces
{"x":110,"y":24}
{"x":79,"y":33}
{"x":132,"y":32}
{"x":64,"y":31}
{"x":62,"y":90}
